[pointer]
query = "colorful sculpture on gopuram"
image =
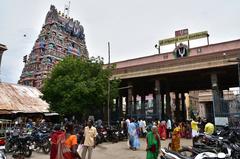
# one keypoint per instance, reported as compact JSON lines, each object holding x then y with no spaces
{"x":60,"y":36}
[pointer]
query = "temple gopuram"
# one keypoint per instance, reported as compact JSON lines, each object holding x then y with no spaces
{"x":60,"y":36}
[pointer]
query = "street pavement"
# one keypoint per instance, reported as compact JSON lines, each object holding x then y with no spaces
{"x":118,"y":150}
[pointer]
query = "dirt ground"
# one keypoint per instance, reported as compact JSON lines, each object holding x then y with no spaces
{"x":117,"y":150}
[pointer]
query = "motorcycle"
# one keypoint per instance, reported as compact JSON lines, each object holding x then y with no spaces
{"x":168,"y":154}
{"x":2,"y":148}
{"x":121,"y":135}
{"x":41,"y":140}
{"x":112,"y":134}
{"x":23,"y":147}
{"x":11,"y":143}
{"x":216,"y":145}
{"x":210,"y":155}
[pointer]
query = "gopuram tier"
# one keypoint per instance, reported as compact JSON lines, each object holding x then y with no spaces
{"x":60,"y":36}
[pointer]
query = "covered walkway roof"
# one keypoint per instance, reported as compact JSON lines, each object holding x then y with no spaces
{"x":16,"y":98}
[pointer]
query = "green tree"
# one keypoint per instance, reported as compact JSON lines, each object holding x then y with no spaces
{"x":78,"y":86}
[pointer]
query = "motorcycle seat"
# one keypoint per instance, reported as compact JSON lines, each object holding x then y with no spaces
{"x":178,"y":154}
{"x":198,"y":144}
{"x":23,"y":137}
{"x":236,"y":147}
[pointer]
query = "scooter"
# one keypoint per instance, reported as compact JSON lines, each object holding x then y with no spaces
{"x":210,"y":155}
{"x":168,"y":154}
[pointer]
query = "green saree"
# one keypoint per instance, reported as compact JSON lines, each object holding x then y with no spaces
{"x":152,"y":146}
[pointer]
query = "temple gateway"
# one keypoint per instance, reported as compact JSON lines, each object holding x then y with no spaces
{"x":60,"y":36}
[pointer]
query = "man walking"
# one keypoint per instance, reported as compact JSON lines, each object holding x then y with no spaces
{"x":195,"y":129}
{"x":90,"y":134}
{"x":169,"y":128}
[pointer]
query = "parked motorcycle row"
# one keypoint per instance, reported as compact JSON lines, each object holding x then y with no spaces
{"x":224,"y":144}
{"x":20,"y":143}
{"x":110,"y":134}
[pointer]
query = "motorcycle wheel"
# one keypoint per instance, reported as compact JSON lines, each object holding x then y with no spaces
{"x":98,"y":141}
{"x":186,"y":152}
{"x":115,"y":139}
{"x":47,"y":147}
{"x":27,"y":152}
{"x":18,"y":156}
{"x":8,"y":147}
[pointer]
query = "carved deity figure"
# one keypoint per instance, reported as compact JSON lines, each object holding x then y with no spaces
{"x":69,"y":26}
{"x":76,"y":29}
{"x":52,"y":15}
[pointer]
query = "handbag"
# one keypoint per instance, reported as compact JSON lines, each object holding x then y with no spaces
{"x":79,"y":150}
{"x":63,"y":151}
{"x":67,"y":153}
{"x":153,"y":148}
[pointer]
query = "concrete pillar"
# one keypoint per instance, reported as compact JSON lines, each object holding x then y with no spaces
{"x":158,"y":99}
{"x":135,"y":104}
{"x":216,"y":95}
{"x":127,"y":107}
{"x":168,"y":104}
{"x":117,"y":109}
{"x":163,"y":113}
{"x":120,"y":107}
{"x":177,"y":103}
{"x":130,"y":102}
{"x":183,"y":106}
{"x":143,"y":98}
{"x":221,"y":99}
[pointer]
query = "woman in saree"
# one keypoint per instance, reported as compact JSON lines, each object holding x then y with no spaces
{"x":175,"y":146}
{"x":133,"y":136}
{"x":64,"y":144}
{"x":153,"y":144}
{"x":183,"y":129}
{"x":162,"y":130}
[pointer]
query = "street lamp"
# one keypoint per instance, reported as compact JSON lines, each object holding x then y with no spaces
{"x":157,"y":46}
{"x":238,"y":65}
{"x":109,"y":87}
{"x":2,"y":49}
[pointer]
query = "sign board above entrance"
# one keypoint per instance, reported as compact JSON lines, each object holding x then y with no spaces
{"x":181,"y":32}
{"x":183,"y":38}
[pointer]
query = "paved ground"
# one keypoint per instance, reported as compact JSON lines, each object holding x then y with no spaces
{"x":117,"y":151}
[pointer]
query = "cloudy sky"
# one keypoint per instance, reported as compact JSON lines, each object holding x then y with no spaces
{"x":133,"y":27}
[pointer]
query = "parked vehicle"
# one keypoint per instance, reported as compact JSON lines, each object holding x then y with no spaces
{"x":2,"y":146}
{"x":41,"y":140}
{"x":23,"y":147}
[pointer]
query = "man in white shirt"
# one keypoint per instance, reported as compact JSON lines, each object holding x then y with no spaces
{"x":90,"y":134}
{"x":127,"y":121}
{"x":169,"y":128}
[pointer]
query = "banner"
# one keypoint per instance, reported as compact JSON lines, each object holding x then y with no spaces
{"x":178,"y":39}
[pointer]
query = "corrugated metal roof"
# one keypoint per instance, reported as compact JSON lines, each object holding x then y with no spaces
{"x":18,"y":98}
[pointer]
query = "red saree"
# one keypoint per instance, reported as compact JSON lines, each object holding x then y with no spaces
{"x":162,"y":130}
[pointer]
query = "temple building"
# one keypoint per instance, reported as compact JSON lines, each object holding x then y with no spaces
{"x":60,"y":36}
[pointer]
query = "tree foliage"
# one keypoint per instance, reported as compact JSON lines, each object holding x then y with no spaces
{"x":78,"y":86}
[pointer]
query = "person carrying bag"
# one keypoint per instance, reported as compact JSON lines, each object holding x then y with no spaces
{"x":64,"y":145}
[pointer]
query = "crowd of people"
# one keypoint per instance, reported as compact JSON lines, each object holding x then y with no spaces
{"x":155,"y":131}
{"x":65,"y":144}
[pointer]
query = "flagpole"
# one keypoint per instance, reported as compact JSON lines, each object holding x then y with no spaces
{"x":68,"y":8}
